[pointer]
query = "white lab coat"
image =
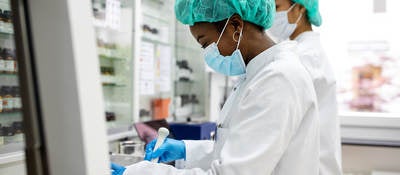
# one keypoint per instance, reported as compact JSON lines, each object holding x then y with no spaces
{"x":269,"y":125}
{"x":313,"y":58}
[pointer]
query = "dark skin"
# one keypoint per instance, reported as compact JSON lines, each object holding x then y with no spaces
{"x":303,"y":25}
{"x":252,"y":44}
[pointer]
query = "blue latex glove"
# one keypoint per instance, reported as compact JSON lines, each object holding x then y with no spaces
{"x":117,"y":169}
{"x":169,"y":151}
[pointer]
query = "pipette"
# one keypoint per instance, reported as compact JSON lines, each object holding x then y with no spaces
{"x":162,"y":134}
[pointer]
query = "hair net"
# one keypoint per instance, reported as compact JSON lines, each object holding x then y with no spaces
{"x":312,"y":11}
{"x":259,"y":12}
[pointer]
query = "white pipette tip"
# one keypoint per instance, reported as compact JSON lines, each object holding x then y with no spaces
{"x":162,"y":134}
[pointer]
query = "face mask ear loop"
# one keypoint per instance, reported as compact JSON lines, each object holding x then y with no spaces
{"x":298,"y":19}
{"x":223,"y":30}
{"x":240,"y":38}
{"x":301,"y":15}
{"x":291,"y":7}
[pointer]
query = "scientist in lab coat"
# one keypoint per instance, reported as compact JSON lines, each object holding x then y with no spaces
{"x":269,"y":124}
{"x":294,"y":20}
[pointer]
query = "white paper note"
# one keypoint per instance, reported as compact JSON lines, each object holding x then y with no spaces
{"x":147,"y":68}
{"x":164,"y":78}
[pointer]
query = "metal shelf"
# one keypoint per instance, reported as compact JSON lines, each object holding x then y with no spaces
{"x":154,"y":41}
{"x":110,"y":57}
{"x":5,"y":33}
{"x":9,"y":74}
{"x":184,"y":81}
{"x":121,"y":132}
{"x":11,"y":153}
{"x":197,"y":49}
{"x":11,"y":113}
{"x":113,"y":85}
{"x":160,"y":19}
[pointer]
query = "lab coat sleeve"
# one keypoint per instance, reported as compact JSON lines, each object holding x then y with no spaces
{"x":268,"y":117}
{"x":199,"y":153}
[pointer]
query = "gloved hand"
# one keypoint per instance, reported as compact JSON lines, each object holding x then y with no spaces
{"x":117,"y":169}
{"x":169,"y":151}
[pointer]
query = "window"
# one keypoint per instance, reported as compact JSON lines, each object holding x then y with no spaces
{"x":363,"y":45}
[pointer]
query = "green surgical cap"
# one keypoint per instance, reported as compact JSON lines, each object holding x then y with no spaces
{"x":312,"y":11}
{"x":259,"y":12}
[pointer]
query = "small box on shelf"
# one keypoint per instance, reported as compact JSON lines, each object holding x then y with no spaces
{"x":11,"y":133}
{"x":10,"y":99}
{"x":110,"y":116}
{"x":6,"y":26}
{"x":160,"y":108}
{"x":8,"y":62}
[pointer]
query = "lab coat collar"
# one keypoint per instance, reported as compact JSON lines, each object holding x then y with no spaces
{"x":306,"y":35}
{"x":266,"y":57}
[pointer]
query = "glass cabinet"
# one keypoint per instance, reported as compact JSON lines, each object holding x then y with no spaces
{"x":11,"y":111}
{"x":113,"y":21}
{"x":11,"y":131}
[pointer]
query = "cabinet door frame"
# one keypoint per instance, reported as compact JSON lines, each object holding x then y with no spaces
{"x":66,"y":111}
{"x":35,"y":157}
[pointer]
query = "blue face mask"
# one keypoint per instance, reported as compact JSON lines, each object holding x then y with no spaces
{"x":228,"y":65}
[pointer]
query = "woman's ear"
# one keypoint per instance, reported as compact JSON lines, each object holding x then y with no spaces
{"x":237,"y":22}
{"x":303,"y":10}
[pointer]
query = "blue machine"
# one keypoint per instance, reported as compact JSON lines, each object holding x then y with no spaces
{"x":193,"y":131}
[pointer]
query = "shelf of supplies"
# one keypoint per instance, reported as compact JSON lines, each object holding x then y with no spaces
{"x":111,"y":57}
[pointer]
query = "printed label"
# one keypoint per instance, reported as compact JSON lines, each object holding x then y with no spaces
{"x":9,"y":66}
{"x":2,"y":65}
{"x":8,"y":103}
{"x":17,"y":103}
